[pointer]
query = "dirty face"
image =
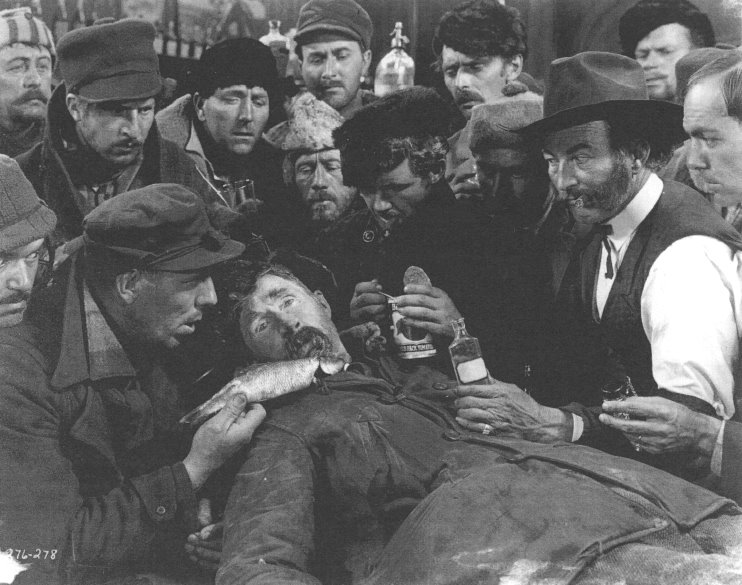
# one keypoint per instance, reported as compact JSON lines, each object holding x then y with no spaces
{"x":319,"y":179}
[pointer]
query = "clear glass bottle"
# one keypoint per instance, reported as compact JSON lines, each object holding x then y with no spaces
{"x":466,"y":355}
{"x":619,"y":390}
{"x":396,"y":69}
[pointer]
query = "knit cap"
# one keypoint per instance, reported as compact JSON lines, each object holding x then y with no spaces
{"x":19,"y":25}
{"x":24,"y":217}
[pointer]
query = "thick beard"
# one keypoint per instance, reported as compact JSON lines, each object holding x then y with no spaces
{"x":307,"y":342}
{"x":613,"y":193}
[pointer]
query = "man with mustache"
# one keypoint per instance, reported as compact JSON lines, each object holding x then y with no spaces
{"x":96,"y":470}
{"x":393,"y":151}
{"x":657,"y":33}
{"x":481,"y":46}
{"x":101,"y":139}
{"x":313,"y":168}
{"x":24,"y":223}
{"x":333,"y":42}
{"x":653,"y":299}
{"x":26,"y":57}
{"x":366,"y":478}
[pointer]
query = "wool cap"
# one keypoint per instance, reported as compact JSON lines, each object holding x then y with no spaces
{"x":161,"y":227}
{"x":495,"y":125}
{"x":343,"y":17}
{"x":241,"y":61}
{"x":19,"y":25}
{"x":24,"y":217}
{"x":310,"y":125}
{"x":110,"y":61}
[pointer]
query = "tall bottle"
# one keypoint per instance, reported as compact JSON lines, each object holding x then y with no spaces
{"x":466,"y":355}
{"x":278,"y":44}
{"x":396,"y":69}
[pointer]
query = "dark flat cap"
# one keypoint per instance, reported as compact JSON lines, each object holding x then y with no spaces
{"x":161,"y":227}
{"x":343,"y":17}
{"x":110,"y":61}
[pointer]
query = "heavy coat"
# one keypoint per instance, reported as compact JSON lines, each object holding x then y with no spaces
{"x":334,"y":473}
{"x":89,"y":446}
{"x":163,"y":162}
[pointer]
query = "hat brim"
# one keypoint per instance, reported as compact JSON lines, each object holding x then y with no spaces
{"x":328,"y":28}
{"x":201,"y":258}
{"x":35,"y":226}
{"x":129,"y":86}
{"x":656,"y":115}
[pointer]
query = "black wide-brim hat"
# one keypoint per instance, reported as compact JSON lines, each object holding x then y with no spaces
{"x":604,"y":86}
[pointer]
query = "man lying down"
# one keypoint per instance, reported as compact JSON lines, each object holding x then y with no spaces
{"x":365,"y":477}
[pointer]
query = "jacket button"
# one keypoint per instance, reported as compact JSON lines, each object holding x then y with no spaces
{"x":440,"y":386}
{"x":161,"y":510}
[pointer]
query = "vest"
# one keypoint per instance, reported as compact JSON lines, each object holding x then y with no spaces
{"x":680,"y":212}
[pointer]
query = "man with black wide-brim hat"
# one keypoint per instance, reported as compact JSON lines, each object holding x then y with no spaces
{"x":655,"y":289}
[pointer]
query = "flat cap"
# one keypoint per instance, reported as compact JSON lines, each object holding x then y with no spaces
{"x":343,"y":17}
{"x":110,"y":61}
{"x":161,"y":227}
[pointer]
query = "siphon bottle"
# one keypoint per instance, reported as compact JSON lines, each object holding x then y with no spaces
{"x":466,"y":355}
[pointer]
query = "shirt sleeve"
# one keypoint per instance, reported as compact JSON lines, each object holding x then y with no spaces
{"x":691,"y":314}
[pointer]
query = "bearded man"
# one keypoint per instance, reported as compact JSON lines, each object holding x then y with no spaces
{"x":654,"y":297}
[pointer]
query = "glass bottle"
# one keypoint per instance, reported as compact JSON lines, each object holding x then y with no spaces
{"x":396,"y":69}
{"x":466,"y":356}
{"x":278,"y":44}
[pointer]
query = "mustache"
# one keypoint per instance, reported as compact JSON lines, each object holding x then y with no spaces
{"x":16,"y":297}
{"x":328,"y":84}
{"x":32,"y":94}
{"x":461,"y":96}
{"x":307,"y":341}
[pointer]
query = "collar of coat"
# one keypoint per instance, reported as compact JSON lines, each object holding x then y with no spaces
{"x":89,"y":348}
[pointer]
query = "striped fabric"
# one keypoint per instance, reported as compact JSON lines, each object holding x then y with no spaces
{"x":18,"y":25}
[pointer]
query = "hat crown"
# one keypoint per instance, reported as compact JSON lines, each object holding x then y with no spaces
{"x":345,"y":17}
{"x":310,"y":124}
{"x":592,"y":78}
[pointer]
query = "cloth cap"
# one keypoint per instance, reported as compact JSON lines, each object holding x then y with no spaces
{"x":344,"y":17}
{"x":241,"y":61}
{"x":19,"y":25}
{"x":161,"y":227}
{"x":310,"y":125}
{"x":691,"y":62}
{"x":24,"y":217}
{"x":599,"y":86}
{"x":495,"y":125}
{"x":111,"y":61}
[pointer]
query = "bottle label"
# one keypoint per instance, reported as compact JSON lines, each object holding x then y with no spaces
{"x":412,"y":342}
{"x":471,"y":371}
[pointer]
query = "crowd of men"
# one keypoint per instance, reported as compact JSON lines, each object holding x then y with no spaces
{"x":587,"y":228}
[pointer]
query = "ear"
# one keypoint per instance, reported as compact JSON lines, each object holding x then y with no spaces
{"x":323,"y":302}
{"x":640,"y":151}
{"x":198,"y":105}
{"x":366,"y":56}
{"x":129,"y":286}
{"x":74,"y":107}
{"x":513,"y":67}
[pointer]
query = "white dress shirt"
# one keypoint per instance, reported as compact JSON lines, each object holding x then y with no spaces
{"x":691,"y":307}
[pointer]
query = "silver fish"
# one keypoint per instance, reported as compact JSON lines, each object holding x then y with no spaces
{"x":265,"y":381}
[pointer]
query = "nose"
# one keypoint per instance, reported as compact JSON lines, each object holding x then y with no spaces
{"x":319,"y":179}
{"x":130,"y":126}
{"x":650,"y":61}
{"x":32,"y":77}
{"x":206,"y":293}
{"x":379,"y":203}
{"x":462,"y":79}
{"x":246,"y":109}
{"x":330,"y":67}
{"x":697,"y":159}
{"x":562,"y":177}
{"x":20,"y":276}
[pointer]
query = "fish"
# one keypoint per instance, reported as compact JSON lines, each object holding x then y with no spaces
{"x":416,"y":275}
{"x":265,"y":381}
